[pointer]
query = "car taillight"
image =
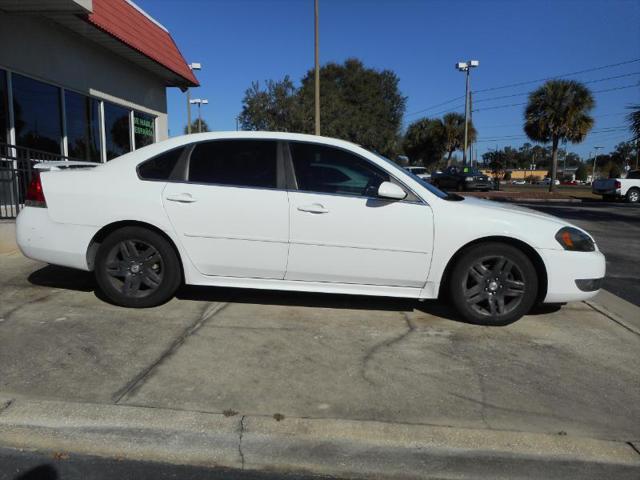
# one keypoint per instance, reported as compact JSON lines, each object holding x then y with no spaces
{"x":35,"y":194}
{"x":618,"y":185}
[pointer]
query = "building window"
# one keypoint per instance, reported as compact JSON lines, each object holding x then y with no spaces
{"x":83,"y":126}
{"x":116,"y":130}
{"x":4,"y":108}
{"x":36,"y":109}
{"x":143,"y":129}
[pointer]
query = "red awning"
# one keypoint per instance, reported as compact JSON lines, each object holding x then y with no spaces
{"x":134,"y":28}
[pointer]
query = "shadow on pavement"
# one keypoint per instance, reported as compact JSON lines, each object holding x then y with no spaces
{"x":71,"y":279}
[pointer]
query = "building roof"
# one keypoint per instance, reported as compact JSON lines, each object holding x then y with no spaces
{"x":129,"y":24}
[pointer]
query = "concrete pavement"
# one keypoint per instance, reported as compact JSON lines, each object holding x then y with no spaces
{"x":301,"y":372}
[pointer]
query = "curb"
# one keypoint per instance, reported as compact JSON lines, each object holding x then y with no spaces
{"x":617,"y":309}
{"x":345,"y":448}
{"x":8,"y":236}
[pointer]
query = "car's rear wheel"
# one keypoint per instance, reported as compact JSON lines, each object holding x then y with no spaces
{"x":136,"y":267}
{"x":493,"y":284}
{"x":633,"y":195}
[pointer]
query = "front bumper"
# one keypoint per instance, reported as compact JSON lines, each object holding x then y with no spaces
{"x":565,"y":267}
{"x":478,"y":185}
{"x":40,"y":238}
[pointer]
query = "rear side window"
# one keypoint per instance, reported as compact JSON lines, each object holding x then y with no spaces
{"x":160,"y":167}
{"x":325,"y":169}
{"x":634,"y":175}
{"x":242,"y":163}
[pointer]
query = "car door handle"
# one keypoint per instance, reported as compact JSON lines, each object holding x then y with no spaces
{"x":181,"y":198}
{"x":313,"y":208}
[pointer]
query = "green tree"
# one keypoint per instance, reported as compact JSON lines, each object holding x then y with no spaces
{"x":275,"y":108}
{"x":424,"y":141}
{"x":558,"y":112}
{"x":195,"y":127}
{"x":358,"y":104}
{"x":581,"y":173}
{"x":454,"y":133}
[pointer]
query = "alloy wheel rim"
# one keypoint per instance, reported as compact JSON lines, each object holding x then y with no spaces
{"x":135,"y":268}
{"x":494,"y":286}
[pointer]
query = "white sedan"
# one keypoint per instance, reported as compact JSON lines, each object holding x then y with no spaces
{"x":298,"y":212}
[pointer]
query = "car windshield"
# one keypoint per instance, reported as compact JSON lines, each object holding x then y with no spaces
{"x":436,"y":191}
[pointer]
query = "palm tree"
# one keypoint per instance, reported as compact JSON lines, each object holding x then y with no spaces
{"x":557,"y":112}
{"x":634,"y":121}
{"x":454,"y":133}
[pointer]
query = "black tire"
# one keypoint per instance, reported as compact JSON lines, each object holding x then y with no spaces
{"x":491,"y":295}
{"x":633,"y":195}
{"x":137,"y":267}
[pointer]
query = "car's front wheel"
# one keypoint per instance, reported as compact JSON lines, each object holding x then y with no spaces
{"x":137,"y":267}
{"x":493,"y":284}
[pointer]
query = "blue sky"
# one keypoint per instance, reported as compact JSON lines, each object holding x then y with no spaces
{"x":240,"y":41}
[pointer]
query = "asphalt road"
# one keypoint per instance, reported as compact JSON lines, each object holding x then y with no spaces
{"x":616,"y":228}
{"x":26,"y":465}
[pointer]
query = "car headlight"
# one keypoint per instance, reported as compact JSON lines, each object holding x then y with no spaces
{"x":575,"y":240}
{"x":468,"y":179}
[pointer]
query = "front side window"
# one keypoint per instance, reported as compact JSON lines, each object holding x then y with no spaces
{"x":116,"y":130}
{"x":242,"y":163}
{"x":83,"y":126}
{"x":325,"y":169}
{"x":161,"y":166}
{"x":37,"y":113}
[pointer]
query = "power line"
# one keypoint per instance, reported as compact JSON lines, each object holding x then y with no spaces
{"x":559,"y":76}
{"x":435,"y":106}
{"x":520,"y":124}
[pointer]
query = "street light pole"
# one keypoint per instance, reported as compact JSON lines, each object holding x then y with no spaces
{"x":595,"y":157}
{"x":199,"y":102}
{"x":192,"y":66}
{"x":466,"y":67}
{"x":317,"y":69}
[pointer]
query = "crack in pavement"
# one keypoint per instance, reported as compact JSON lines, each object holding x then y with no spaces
{"x":240,"y":441}
{"x":4,"y":407}
{"x":386,"y":344}
{"x":134,"y":384}
{"x":9,"y":313}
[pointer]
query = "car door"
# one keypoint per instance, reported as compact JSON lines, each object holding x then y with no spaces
{"x":342,"y":232}
{"x":231,"y":212}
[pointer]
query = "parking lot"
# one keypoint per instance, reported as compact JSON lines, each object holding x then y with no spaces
{"x":570,"y":370}
{"x":616,"y":228}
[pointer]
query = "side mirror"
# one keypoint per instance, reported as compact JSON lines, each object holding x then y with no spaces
{"x":391,"y":190}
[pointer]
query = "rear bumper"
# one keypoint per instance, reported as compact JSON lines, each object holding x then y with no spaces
{"x":564,"y":268}
{"x":40,"y":238}
{"x":612,"y":192}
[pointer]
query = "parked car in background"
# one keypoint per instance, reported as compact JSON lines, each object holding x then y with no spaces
{"x":284,"y":211}
{"x":419,"y":172}
{"x":547,"y":181}
{"x":518,"y":182}
{"x":615,"y":188}
{"x":569,"y":182}
{"x":461,"y":178}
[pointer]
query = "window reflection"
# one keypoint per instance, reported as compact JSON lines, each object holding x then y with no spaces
{"x":4,"y":108}
{"x":116,"y":126}
{"x":143,"y":129}
{"x":38,"y":120}
{"x":83,"y":126}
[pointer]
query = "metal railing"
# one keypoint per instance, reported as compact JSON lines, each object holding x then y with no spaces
{"x":16,"y":169}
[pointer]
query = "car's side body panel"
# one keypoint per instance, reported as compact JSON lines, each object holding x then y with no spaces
{"x":403,"y":252}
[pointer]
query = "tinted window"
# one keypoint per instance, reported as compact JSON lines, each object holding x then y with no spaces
{"x":4,"y":108}
{"x":320,"y":168}
{"x":143,"y":129}
{"x":160,"y":167}
{"x":245,"y":163}
{"x":38,"y":119}
{"x":83,"y":126}
{"x":116,"y":130}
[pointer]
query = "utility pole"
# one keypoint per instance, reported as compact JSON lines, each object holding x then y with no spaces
{"x":466,"y":67}
{"x":466,"y":126}
{"x":317,"y":69}
{"x":199,"y":102}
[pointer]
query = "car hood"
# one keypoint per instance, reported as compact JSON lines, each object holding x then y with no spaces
{"x":504,"y":207}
